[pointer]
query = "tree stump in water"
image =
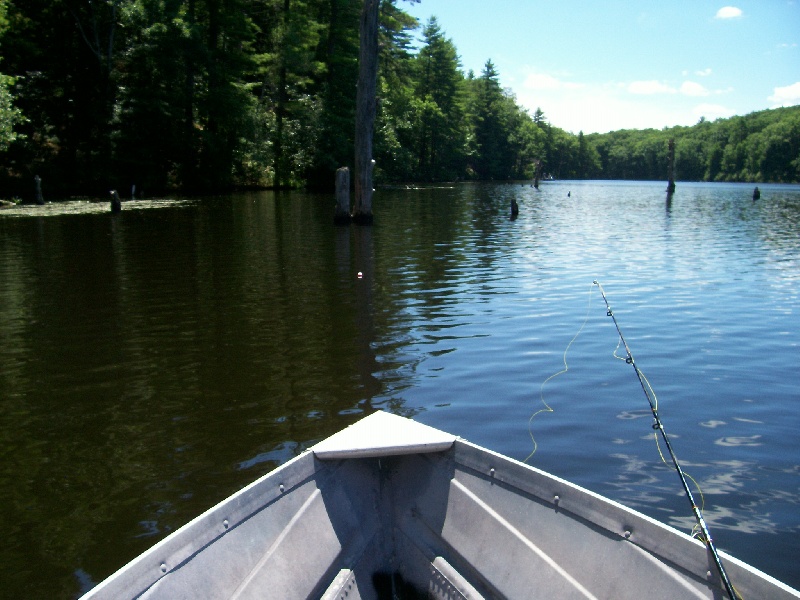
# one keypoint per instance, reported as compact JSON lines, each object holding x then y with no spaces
{"x":39,"y":196}
{"x":342,"y":214}
{"x":671,"y":167}
{"x":116,"y":203}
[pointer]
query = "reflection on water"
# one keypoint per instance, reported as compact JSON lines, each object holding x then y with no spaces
{"x":86,"y":207}
{"x":751,"y":440}
{"x":154,"y":361}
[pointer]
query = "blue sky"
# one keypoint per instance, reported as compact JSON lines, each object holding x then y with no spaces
{"x":600,"y":66}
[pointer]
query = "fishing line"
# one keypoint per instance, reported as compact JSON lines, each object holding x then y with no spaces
{"x":547,"y":407}
{"x":704,"y":535}
{"x":695,"y":529}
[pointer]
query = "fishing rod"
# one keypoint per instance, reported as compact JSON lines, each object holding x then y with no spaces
{"x":658,"y":425}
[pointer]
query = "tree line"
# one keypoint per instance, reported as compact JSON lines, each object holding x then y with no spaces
{"x":760,"y":146}
{"x":206,"y":95}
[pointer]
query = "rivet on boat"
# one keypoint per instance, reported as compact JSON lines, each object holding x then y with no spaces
{"x":556,"y":499}
{"x":163,"y":567}
{"x":280,"y":487}
{"x":491,"y":472}
{"x":225,"y":523}
{"x":627,"y":534}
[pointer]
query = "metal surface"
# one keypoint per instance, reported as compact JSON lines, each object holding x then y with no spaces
{"x":459,"y":523}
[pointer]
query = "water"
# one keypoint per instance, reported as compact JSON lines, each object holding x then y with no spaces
{"x":157,"y":360}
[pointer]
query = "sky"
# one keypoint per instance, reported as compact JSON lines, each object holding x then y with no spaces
{"x":598,"y":66}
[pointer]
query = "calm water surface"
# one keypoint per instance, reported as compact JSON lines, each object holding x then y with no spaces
{"x":155,"y":361}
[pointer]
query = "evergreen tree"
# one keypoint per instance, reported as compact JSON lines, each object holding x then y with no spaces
{"x":438,"y":106}
{"x":392,"y":145}
{"x":289,"y":75}
{"x":208,"y":94}
{"x":338,"y":52}
{"x":155,"y":137}
{"x":490,"y":125}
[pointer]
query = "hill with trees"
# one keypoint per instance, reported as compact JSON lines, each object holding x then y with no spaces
{"x":206,"y":95}
{"x":761,"y":146}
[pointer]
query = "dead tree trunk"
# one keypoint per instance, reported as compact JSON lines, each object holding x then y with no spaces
{"x":39,"y":197}
{"x":342,"y":214}
{"x":671,"y":168}
{"x":116,"y":203}
{"x":365,"y":111}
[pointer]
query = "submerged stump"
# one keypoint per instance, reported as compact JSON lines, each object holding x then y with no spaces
{"x":341,"y":215}
{"x":671,"y":168}
{"x":39,"y":197}
{"x":116,"y":203}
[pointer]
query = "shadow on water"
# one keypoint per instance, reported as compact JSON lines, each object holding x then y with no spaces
{"x":157,"y":360}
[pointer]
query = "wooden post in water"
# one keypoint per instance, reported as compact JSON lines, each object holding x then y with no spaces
{"x":341,"y":216}
{"x":116,"y":203}
{"x":365,"y":111}
{"x":39,"y":197}
{"x":537,"y":173}
{"x":671,"y":167}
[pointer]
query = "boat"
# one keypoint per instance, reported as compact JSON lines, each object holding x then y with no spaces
{"x":392,"y":508}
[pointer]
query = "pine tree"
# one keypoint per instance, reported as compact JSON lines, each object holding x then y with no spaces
{"x":491,"y":126}
{"x":439,"y":111}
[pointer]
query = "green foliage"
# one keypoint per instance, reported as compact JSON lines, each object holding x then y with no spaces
{"x":438,"y":107}
{"x":204,"y":95}
{"x":393,"y":144}
{"x":761,"y":146}
{"x":10,"y":116}
{"x":336,"y":90}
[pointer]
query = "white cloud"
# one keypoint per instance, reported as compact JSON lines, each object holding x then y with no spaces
{"x":728,"y":12}
{"x":703,"y":73}
{"x":712,"y":111}
{"x":786,"y":96}
{"x":691,"y":88}
{"x":649,"y":87}
{"x":602,"y":107}
{"x":613,"y":105}
{"x":544,"y":81}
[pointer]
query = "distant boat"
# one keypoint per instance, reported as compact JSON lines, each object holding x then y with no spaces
{"x":391,"y":508}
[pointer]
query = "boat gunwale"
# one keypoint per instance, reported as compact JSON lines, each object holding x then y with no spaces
{"x":658,"y":539}
{"x":672,"y":549}
{"x":170,"y":553}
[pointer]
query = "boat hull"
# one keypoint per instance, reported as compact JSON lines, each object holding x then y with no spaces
{"x":441,"y":518}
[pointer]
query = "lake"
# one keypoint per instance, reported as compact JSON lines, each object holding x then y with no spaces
{"x":154,"y":361}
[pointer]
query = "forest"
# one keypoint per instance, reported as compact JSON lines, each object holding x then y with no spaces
{"x":201,"y":96}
